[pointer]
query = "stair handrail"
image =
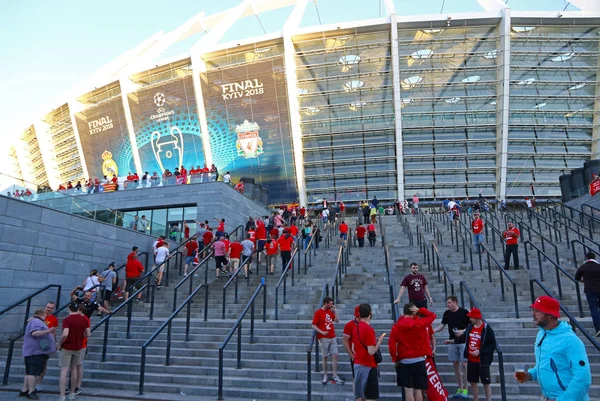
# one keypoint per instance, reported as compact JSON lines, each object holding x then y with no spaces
{"x":324,"y":293}
{"x":594,"y":218}
{"x":572,"y":320}
{"x":581,"y":236}
{"x":503,"y":273}
{"x":340,"y":270}
{"x":283,"y":280}
{"x":571,"y":221}
{"x":168,"y":324}
{"x":106,"y":319}
{"x":524,"y":226}
{"x":234,"y":279}
{"x":423,"y":248}
{"x":28,"y":299}
{"x":390,"y":279}
{"x":238,"y":326}
{"x":586,"y":248}
{"x":310,"y":247}
{"x":437,"y":262}
{"x":558,"y":269}
{"x":190,"y":277}
{"x":474,"y":303}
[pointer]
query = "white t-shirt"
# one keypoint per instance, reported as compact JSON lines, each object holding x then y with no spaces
{"x":90,"y":282}
{"x":154,"y":246}
{"x":227,"y":178}
{"x":161,"y":254}
{"x":529,"y":204}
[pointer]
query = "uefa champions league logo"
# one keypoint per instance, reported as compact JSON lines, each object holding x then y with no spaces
{"x":159,"y":99}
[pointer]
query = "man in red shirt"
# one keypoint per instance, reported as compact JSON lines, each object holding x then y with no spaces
{"x":220,"y":228}
{"x":342,"y":210}
{"x":409,"y":346}
{"x":479,"y":351}
{"x":477,"y":227}
{"x":344,"y":231}
{"x":191,"y":252}
{"x":133,"y":271}
{"x":511,"y":236}
{"x":207,"y":238}
{"x":286,"y":241}
{"x":302,"y":213}
{"x":274,"y":233}
{"x":372,"y":234}
{"x":261,"y":237}
{"x":322,"y":323}
{"x":365,"y":345}
{"x":360,"y":232}
{"x":51,"y":321}
{"x":235,"y":253}
{"x":293,"y":230}
{"x":347,"y":339}
{"x":75,"y":329}
{"x":272,"y":248}
{"x":416,"y":283}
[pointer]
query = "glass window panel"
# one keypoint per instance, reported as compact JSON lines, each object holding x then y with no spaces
{"x":419,"y":179}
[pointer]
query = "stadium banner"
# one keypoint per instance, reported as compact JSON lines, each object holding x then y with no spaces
{"x":105,"y":139}
{"x":594,"y":186}
{"x":248,"y":123}
{"x":165,"y":121}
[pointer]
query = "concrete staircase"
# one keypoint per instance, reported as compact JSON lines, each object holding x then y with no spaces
{"x":274,"y":367}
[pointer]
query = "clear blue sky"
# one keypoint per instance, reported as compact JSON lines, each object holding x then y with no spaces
{"x":49,"y":46}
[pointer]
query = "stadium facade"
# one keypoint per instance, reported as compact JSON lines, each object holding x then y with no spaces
{"x":498,"y":102}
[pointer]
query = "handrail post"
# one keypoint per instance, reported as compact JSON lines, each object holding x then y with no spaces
{"x":11,"y":349}
{"x":153,"y":289}
{"x":105,"y":341}
{"x":516,"y":301}
{"x":264,"y":303}
{"x":276,"y":303}
{"x":224,"y":294}
{"x":142,"y":371}
{"x":251,"y":323}
{"x":129,"y":311}
{"x":239,"y":346}
{"x":502,"y":377}
{"x":168,"y":358}
{"x":187,"y":321}
{"x":220,"y":379}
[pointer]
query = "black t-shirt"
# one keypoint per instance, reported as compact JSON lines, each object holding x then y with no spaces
{"x":459,"y":320}
{"x":90,"y":307}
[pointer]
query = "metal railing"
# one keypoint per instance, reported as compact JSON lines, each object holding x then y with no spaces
{"x":572,"y":320}
{"x":11,"y":346}
{"x":423,"y":248}
{"x":168,"y":324}
{"x":503,"y":273}
{"x":310,"y":247}
{"x":394,"y":306}
{"x":190,"y":277}
{"x":581,"y":236}
{"x":437,"y":262}
{"x":234,"y":279}
{"x":465,"y":235}
{"x":238,"y":326}
{"x":106,"y":320}
{"x":283,"y":280}
{"x":474,"y":303}
{"x":558,"y":269}
{"x":342,"y":263}
{"x":324,"y":293}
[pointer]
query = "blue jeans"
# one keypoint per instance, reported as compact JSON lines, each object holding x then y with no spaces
{"x":593,"y":299}
{"x":477,"y":239}
{"x":307,"y":240}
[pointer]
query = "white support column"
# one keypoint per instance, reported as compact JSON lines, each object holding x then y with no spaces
{"x":502,"y":104}
{"x":75,"y":107}
{"x":596,"y":118}
{"x":397,"y":105}
{"x":198,"y":67}
{"x":127,"y":87}
{"x":292,"y":94}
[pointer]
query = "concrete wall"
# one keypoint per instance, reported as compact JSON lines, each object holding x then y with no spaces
{"x":214,"y":200}
{"x":41,"y":246}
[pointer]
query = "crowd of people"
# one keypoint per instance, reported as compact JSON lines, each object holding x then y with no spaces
{"x":561,"y":368}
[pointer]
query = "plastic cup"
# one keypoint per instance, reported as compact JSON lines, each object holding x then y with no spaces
{"x":520,"y":372}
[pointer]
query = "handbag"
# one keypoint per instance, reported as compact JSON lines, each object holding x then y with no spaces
{"x":377,"y":355}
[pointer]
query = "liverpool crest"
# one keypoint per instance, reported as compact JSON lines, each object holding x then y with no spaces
{"x":249,"y":143}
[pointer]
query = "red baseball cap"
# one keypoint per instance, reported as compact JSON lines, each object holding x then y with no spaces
{"x":547,"y":305}
{"x":475,"y":313}
{"x":356,"y":311}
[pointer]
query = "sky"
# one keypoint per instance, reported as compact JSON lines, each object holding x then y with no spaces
{"x":48,"y":47}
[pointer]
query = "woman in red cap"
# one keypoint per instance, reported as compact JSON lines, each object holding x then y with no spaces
{"x":479,"y":352}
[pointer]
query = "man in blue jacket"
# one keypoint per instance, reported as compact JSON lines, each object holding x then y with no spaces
{"x":562,"y":367}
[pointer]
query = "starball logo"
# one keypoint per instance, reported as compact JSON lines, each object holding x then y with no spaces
{"x":161,"y":113}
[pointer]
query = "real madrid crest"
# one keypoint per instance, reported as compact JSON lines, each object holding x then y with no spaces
{"x":249,"y":143}
{"x":109,"y":167}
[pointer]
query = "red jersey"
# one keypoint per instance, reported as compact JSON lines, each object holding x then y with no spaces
{"x":192,"y":248}
{"x":205,"y":170}
{"x":349,"y":329}
{"x":274,"y":233}
{"x":477,"y":226}
{"x":371,"y":227}
{"x":363,"y":337}
{"x":183,"y":171}
{"x":342,"y":207}
{"x":51,"y":321}
{"x":252,"y":235}
{"x":227,"y":244}
{"x":324,"y":319}
{"x":302,"y":211}
{"x":133,"y":268}
{"x":343,"y":228}
{"x":77,"y":324}
{"x":235,"y":249}
{"x":511,"y":236}
{"x":221,"y":227}
{"x":285,"y":242}
{"x":409,"y":338}
{"x":474,"y":342}
{"x":261,"y":232}
{"x":360,"y":232}
{"x":272,"y":247}
{"x":293,"y":230}
{"x":207,"y":237}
